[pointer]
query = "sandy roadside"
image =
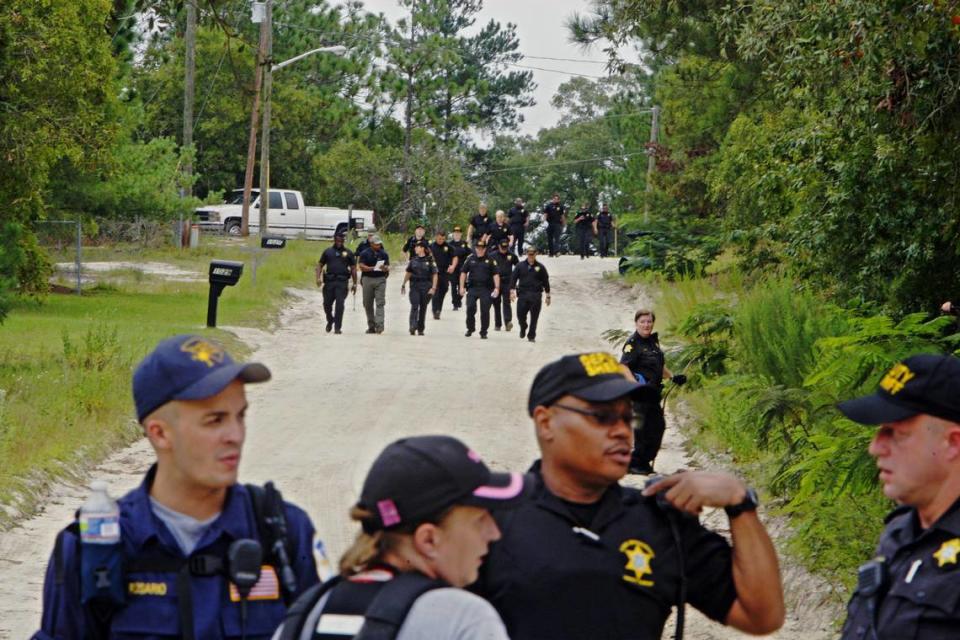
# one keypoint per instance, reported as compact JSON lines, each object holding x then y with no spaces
{"x":335,"y":401}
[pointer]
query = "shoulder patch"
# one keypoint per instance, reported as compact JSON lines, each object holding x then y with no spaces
{"x":627,"y":348}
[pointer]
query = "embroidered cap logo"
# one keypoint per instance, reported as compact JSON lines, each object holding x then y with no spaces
{"x":200,"y":350}
{"x":598,"y":364}
{"x":896,"y":379}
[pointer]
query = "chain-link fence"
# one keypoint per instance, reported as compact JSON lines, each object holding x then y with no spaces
{"x":74,"y":245}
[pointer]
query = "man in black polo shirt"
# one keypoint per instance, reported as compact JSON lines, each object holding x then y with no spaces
{"x":910,"y":589}
{"x":518,"y":218}
{"x":589,"y":558}
{"x":419,"y":235}
{"x":447,"y":261}
{"x":461,"y":250}
{"x":527,"y":286}
{"x":479,"y":278}
{"x":556,"y":215}
{"x":479,"y":228}
{"x":502,"y":313}
{"x":336,"y":266}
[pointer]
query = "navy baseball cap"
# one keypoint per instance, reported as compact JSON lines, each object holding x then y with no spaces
{"x":594,"y":377}
{"x":188,"y":367}
{"x":925,"y":383}
{"x":417,"y":478}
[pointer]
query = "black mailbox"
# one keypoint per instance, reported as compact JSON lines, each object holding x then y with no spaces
{"x":272,"y":242}
{"x":223,"y":273}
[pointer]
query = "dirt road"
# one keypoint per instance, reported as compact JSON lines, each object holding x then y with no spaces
{"x":335,"y":401}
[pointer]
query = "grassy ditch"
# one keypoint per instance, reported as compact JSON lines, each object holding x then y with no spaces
{"x":66,"y":361}
{"x":767,"y":362}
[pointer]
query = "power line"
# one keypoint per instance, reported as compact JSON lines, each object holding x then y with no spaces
{"x":567,"y":73}
{"x":564,"y":59}
{"x":565,"y":162}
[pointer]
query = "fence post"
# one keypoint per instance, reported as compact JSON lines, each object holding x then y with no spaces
{"x":79,"y":245}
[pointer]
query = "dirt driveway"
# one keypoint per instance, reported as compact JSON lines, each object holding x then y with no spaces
{"x":335,"y":401}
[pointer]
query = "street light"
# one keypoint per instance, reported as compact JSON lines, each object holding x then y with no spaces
{"x":264,"y":15}
{"x":265,"y":145}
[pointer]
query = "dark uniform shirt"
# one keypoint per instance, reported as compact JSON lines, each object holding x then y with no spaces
{"x":609,"y":571}
{"x":517,"y":217}
{"x":530,"y":279}
{"x":151,"y":610}
{"x":461,"y":250}
{"x":554,"y":212}
{"x":644,"y":356}
{"x":505,"y":263}
{"x":480,"y":271}
{"x":363,"y":246}
{"x":443,"y":255}
{"x":587,"y":221}
{"x":497,"y":233}
{"x":481,"y":225}
{"x":409,"y":244}
{"x":337,"y":262}
{"x":421,"y":269}
{"x":604,"y":220}
{"x":370,"y":257}
{"x":922,"y":593}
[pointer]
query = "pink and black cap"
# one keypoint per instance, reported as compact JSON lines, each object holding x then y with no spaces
{"x":925,"y":383}
{"x":417,"y":478}
{"x":187,"y":367}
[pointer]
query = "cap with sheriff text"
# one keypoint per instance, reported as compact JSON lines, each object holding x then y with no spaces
{"x":188,"y":367}
{"x":419,"y":477}
{"x":925,"y":383}
{"x":594,"y":377}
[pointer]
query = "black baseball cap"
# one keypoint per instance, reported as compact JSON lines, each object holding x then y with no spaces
{"x":481,"y":243}
{"x":419,"y":477}
{"x":504,"y":242}
{"x":594,"y":377}
{"x":188,"y":367}
{"x":925,"y":383}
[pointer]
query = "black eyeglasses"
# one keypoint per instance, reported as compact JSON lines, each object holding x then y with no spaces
{"x":603,"y":418}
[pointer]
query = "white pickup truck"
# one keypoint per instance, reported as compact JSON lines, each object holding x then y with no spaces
{"x":287,"y":216}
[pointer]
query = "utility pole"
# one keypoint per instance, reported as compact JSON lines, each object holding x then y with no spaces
{"x":265,"y":140}
{"x":406,"y":202}
{"x":190,"y":43}
{"x":651,"y":161}
{"x":252,"y":144}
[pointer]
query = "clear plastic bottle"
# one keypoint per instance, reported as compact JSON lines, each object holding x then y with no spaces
{"x":101,"y":553}
{"x":99,"y":516}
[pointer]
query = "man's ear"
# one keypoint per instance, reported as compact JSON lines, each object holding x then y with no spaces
{"x":426,"y":539}
{"x":157,"y":427}
{"x":953,"y":441}
{"x":541,"y":420}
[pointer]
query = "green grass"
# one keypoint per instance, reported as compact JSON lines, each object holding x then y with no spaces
{"x":66,"y":361}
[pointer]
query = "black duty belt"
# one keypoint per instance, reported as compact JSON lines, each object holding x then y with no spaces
{"x":333,"y":277}
{"x":421,"y":279}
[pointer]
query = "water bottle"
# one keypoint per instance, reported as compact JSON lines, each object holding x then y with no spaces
{"x":101,"y":552}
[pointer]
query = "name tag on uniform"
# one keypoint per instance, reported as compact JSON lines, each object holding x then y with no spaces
{"x":337,"y":624}
{"x":267,"y":587}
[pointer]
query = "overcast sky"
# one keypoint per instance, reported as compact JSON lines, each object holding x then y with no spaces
{"x":541,"y":30}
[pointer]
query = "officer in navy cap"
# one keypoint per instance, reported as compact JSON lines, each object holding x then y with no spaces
{"x":426,"y":524}
{"x":910,"y":589}
{"x":178,"y":527}
{"x":588,"y":558}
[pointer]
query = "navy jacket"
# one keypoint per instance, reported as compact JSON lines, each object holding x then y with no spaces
{"x":151,"y":611}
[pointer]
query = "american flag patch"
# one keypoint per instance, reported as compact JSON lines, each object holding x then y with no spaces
{"x":267,"y":587}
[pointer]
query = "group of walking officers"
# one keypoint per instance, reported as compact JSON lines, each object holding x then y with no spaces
{"x":562,"y":552}
{"x":483,"y":269}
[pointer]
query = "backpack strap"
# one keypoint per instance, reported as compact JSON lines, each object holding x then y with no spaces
{"x":294,"y":622}
{"x":270,"y":516}
{"x":389,"y":609}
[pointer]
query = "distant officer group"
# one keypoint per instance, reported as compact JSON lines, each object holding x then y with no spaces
{"x":489,"y":277}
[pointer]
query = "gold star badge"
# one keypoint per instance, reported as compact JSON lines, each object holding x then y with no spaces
{"x":628,"y":348}
{"x":639,"y":557}
{"x":948,"y":552}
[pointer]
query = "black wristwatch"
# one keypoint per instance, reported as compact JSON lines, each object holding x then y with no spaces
{"x":750,"y":503}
